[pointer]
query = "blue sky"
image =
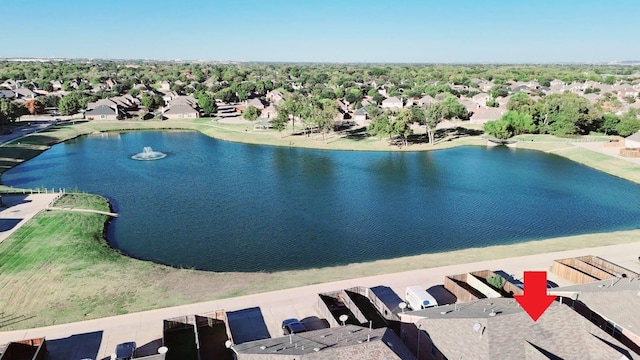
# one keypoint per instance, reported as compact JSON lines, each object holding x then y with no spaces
{"x":324,"y":31}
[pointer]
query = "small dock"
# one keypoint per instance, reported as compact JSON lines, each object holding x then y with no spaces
{"x":83,"y":210}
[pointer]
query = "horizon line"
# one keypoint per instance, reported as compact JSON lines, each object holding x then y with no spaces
{"x":576,"y":62}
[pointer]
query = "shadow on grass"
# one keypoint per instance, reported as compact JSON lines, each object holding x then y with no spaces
{"x":357,"y":134}
{"x":444,"y":134}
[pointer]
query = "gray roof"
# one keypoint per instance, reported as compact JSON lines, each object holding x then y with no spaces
{"x":471,"y":332}
{"x":634,"y":137}
{"x":361,"y":111}
{"x":617,"y":300}
{"x":345,"y":342}
{"x":181,"y":109}
{"x":101,"y":110}
{"x":7,"y":94}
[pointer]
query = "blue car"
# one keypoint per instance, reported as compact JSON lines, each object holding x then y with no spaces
{"x":292,"y":326}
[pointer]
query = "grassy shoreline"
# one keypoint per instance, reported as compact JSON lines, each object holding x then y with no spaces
{"x":75,"y":275}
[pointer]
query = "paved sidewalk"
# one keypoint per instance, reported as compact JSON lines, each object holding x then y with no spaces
{"x":145,"y":327}
{"x":19,"y":208}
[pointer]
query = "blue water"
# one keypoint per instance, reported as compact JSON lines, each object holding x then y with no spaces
{"x":225,"y":206}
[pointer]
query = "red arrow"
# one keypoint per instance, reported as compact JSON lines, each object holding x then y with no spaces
{"x":535,"y":300}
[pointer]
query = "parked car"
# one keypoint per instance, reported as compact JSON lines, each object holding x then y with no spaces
{"x":293,"y":326}
{"x":125,"y":351}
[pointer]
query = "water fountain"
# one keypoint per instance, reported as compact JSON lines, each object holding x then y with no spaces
{"x":148,"y":154}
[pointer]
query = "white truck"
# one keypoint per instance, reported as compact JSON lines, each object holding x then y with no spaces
{"x":418,"y":298}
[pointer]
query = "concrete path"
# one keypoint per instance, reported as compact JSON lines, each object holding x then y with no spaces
{"x":145,"y":327}
{"x":82,"y":210}
{"x":19,"y":208}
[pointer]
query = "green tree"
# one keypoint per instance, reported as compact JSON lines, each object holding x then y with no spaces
{"x":242,"y":94}
{"x":609,"y":123}
{"x":509,"y":125}
{"x":69,"y":104}
{"x":453,"y":109}
{"x":151,"y":101}
{"x":563,"y":114}
{"x":401,"y":124}
{"x":207,"y":103}
{"x":609,"y":80}
{"x":521,"y":103}
{"x":629,"y":124}
{"x":380,"y":126}
{"x":434,"y":114}
{"x":225,"y":95}
{"x":10,"y":111}
{"x":251,"y":113}
{"x":279,"y":123}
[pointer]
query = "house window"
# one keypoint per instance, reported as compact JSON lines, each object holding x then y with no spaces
{"x":103,"y":116}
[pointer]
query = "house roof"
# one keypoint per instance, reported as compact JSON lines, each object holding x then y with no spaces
{"x":181,"y":109}
{"x":612,"y":299}
{"x":634,"y":137}
{"x":102,"y":102}
{"x":183,"y":100}
{"x":101,"y":110}
{"x":427,"y":99}
{"x":392,"y":99}
{"x":487,"y":114}
{"x":24,"y":92}
{"x":345,"y":342}
{"x":361,"y":111}
{"x":257,"y":103}
{"x":470,"y":331}
{"x":7,"y":94}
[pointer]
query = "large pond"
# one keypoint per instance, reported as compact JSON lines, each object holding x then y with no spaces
{"x":225,"y":206}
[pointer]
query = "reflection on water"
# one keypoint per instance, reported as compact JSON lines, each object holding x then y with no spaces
{"x":232,"y":207}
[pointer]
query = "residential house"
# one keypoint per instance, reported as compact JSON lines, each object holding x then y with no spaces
{"x":257,"y":103}
{"x":348,"y":342}
{"x":632,"y":142}
{"x":180,"y":111}
{"x":367,"y":100}
{"x":110,"y":83}
{"x":498,"y":328}
{"x":592,"y":97}
{"x":56,"y":84}
{"x":392,"y":103}
{"x":169,"y":96}
{"x":610,"y":304}
{"x":275,"y":97}
{"x":409,"y":103}
{"x":481,"y":116}
{"x":360,"y":116}
{"x":481,"y":99}
{"x":269,"y":112}
{"x":24,"y":93}
{"x":103,"y":112}
{"x":7,"y":94}
{"x":165,"y":85}
{"x":182,"y":106}
{"x":628,"y":91}
{"x":425,"y":100}
{"x":469,"y":105}
{"x":342,"y":105}
{"x":9,"y":84}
